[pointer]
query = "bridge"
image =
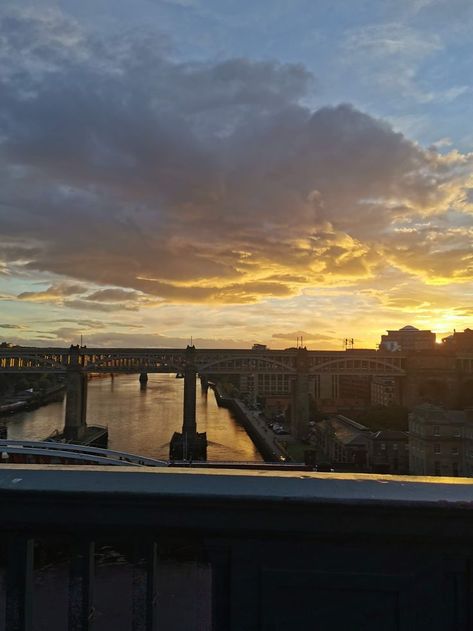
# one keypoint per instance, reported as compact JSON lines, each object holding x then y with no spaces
{"x":296,"y":372}
{"x":214,"y":361}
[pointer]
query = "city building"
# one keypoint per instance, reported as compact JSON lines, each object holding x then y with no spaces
{"x":459,"y":341}
{"x":339,"y":439}
{"x":355,"y":388}
{"x":389,"y":451}
{"x":384,"y":391}
{"x":440,"y":441}
{"x":408,"y":339}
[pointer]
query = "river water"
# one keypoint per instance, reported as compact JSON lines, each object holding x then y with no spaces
{"x":142,"y":421}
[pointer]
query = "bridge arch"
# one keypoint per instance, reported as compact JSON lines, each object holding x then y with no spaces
{"x":357,"y":366}
{"x":245,"y":363}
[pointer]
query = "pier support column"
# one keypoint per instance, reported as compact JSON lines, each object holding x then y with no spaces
{"x":189,"y":445}
{"x":300,"y":395}
{"x":76,"y":405}
{"x":204,"y":382}
{"x":189,"y":425}
{"x":143,"y":379}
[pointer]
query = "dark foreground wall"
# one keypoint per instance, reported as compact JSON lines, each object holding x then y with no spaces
{"x":187,"y":549}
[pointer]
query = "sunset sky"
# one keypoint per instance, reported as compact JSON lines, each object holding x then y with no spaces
{"x":238,"y":171}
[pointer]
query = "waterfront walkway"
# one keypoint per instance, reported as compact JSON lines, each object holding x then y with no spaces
{"x":273,"y":447}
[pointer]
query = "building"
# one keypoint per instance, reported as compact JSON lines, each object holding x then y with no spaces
{"x":384,"y":391}
{"x":389,"y":452}
{"x":341,"y":441}
{"x":459,"y":342}
{"x":408,"y":339}
{"x":259,"y":347}
{"x":355,"y":388}
{"x":338,"y":439}
{"x":440,"y":441}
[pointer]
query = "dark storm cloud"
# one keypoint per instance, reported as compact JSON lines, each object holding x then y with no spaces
{"x":198,"y":182}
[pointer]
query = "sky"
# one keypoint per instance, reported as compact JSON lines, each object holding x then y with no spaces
{"x":234,"y":171}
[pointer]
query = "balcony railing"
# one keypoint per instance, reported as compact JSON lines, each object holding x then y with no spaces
{"x":156,"y":548}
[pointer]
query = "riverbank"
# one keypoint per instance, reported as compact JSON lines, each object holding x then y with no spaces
{"x":32,"y":401}
{"x":269,"y":446}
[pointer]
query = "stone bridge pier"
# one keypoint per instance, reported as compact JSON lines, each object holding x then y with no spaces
{"x":189,"y":444}
{"x":75,"y":426}
{"x":189,"y":423}
{"x":300,"y":411}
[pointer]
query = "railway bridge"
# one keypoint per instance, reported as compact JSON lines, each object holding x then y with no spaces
{"x":296,"y":370}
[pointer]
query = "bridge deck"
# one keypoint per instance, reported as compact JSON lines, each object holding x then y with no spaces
{"x":208,"y":361}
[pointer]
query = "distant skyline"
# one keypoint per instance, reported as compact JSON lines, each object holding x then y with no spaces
{"x":234,"y":171}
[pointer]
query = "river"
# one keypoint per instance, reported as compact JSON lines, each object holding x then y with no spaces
{"x":142,"y":421}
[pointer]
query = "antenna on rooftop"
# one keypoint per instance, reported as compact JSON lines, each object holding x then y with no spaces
{"x":348,"y":343}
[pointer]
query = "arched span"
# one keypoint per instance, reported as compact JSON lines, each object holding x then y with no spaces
{"x":242,"y":363}
{"x":357,"y":366}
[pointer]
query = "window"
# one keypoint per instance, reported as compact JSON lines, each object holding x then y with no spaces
{"x":436,"y":430}
{"x":395,"y":446}
{"x":437,"y":468}
{"x":437,"y":449}
{"x":457,"y":432}
{"x":383,"y":446}
{"x":455,"y":451}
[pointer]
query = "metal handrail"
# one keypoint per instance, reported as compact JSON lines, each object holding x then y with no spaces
{"x":43,"y":446}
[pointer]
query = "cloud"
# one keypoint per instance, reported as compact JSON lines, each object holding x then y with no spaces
{"x":392,"y":54}
{"x":174,"y":182}
{"x":64,"y":336}
{"x":393,"y":57}
{"x":307,"y":337}
{"x":54,"y":293}
{"x":86,"y":305}
{"x":113,"y":295}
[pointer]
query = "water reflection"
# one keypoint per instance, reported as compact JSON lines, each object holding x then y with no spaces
{"x":142,"y":420}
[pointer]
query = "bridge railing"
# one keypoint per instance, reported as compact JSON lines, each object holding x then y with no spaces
{"x":70,"y":451}
{"x":146,"y":548}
